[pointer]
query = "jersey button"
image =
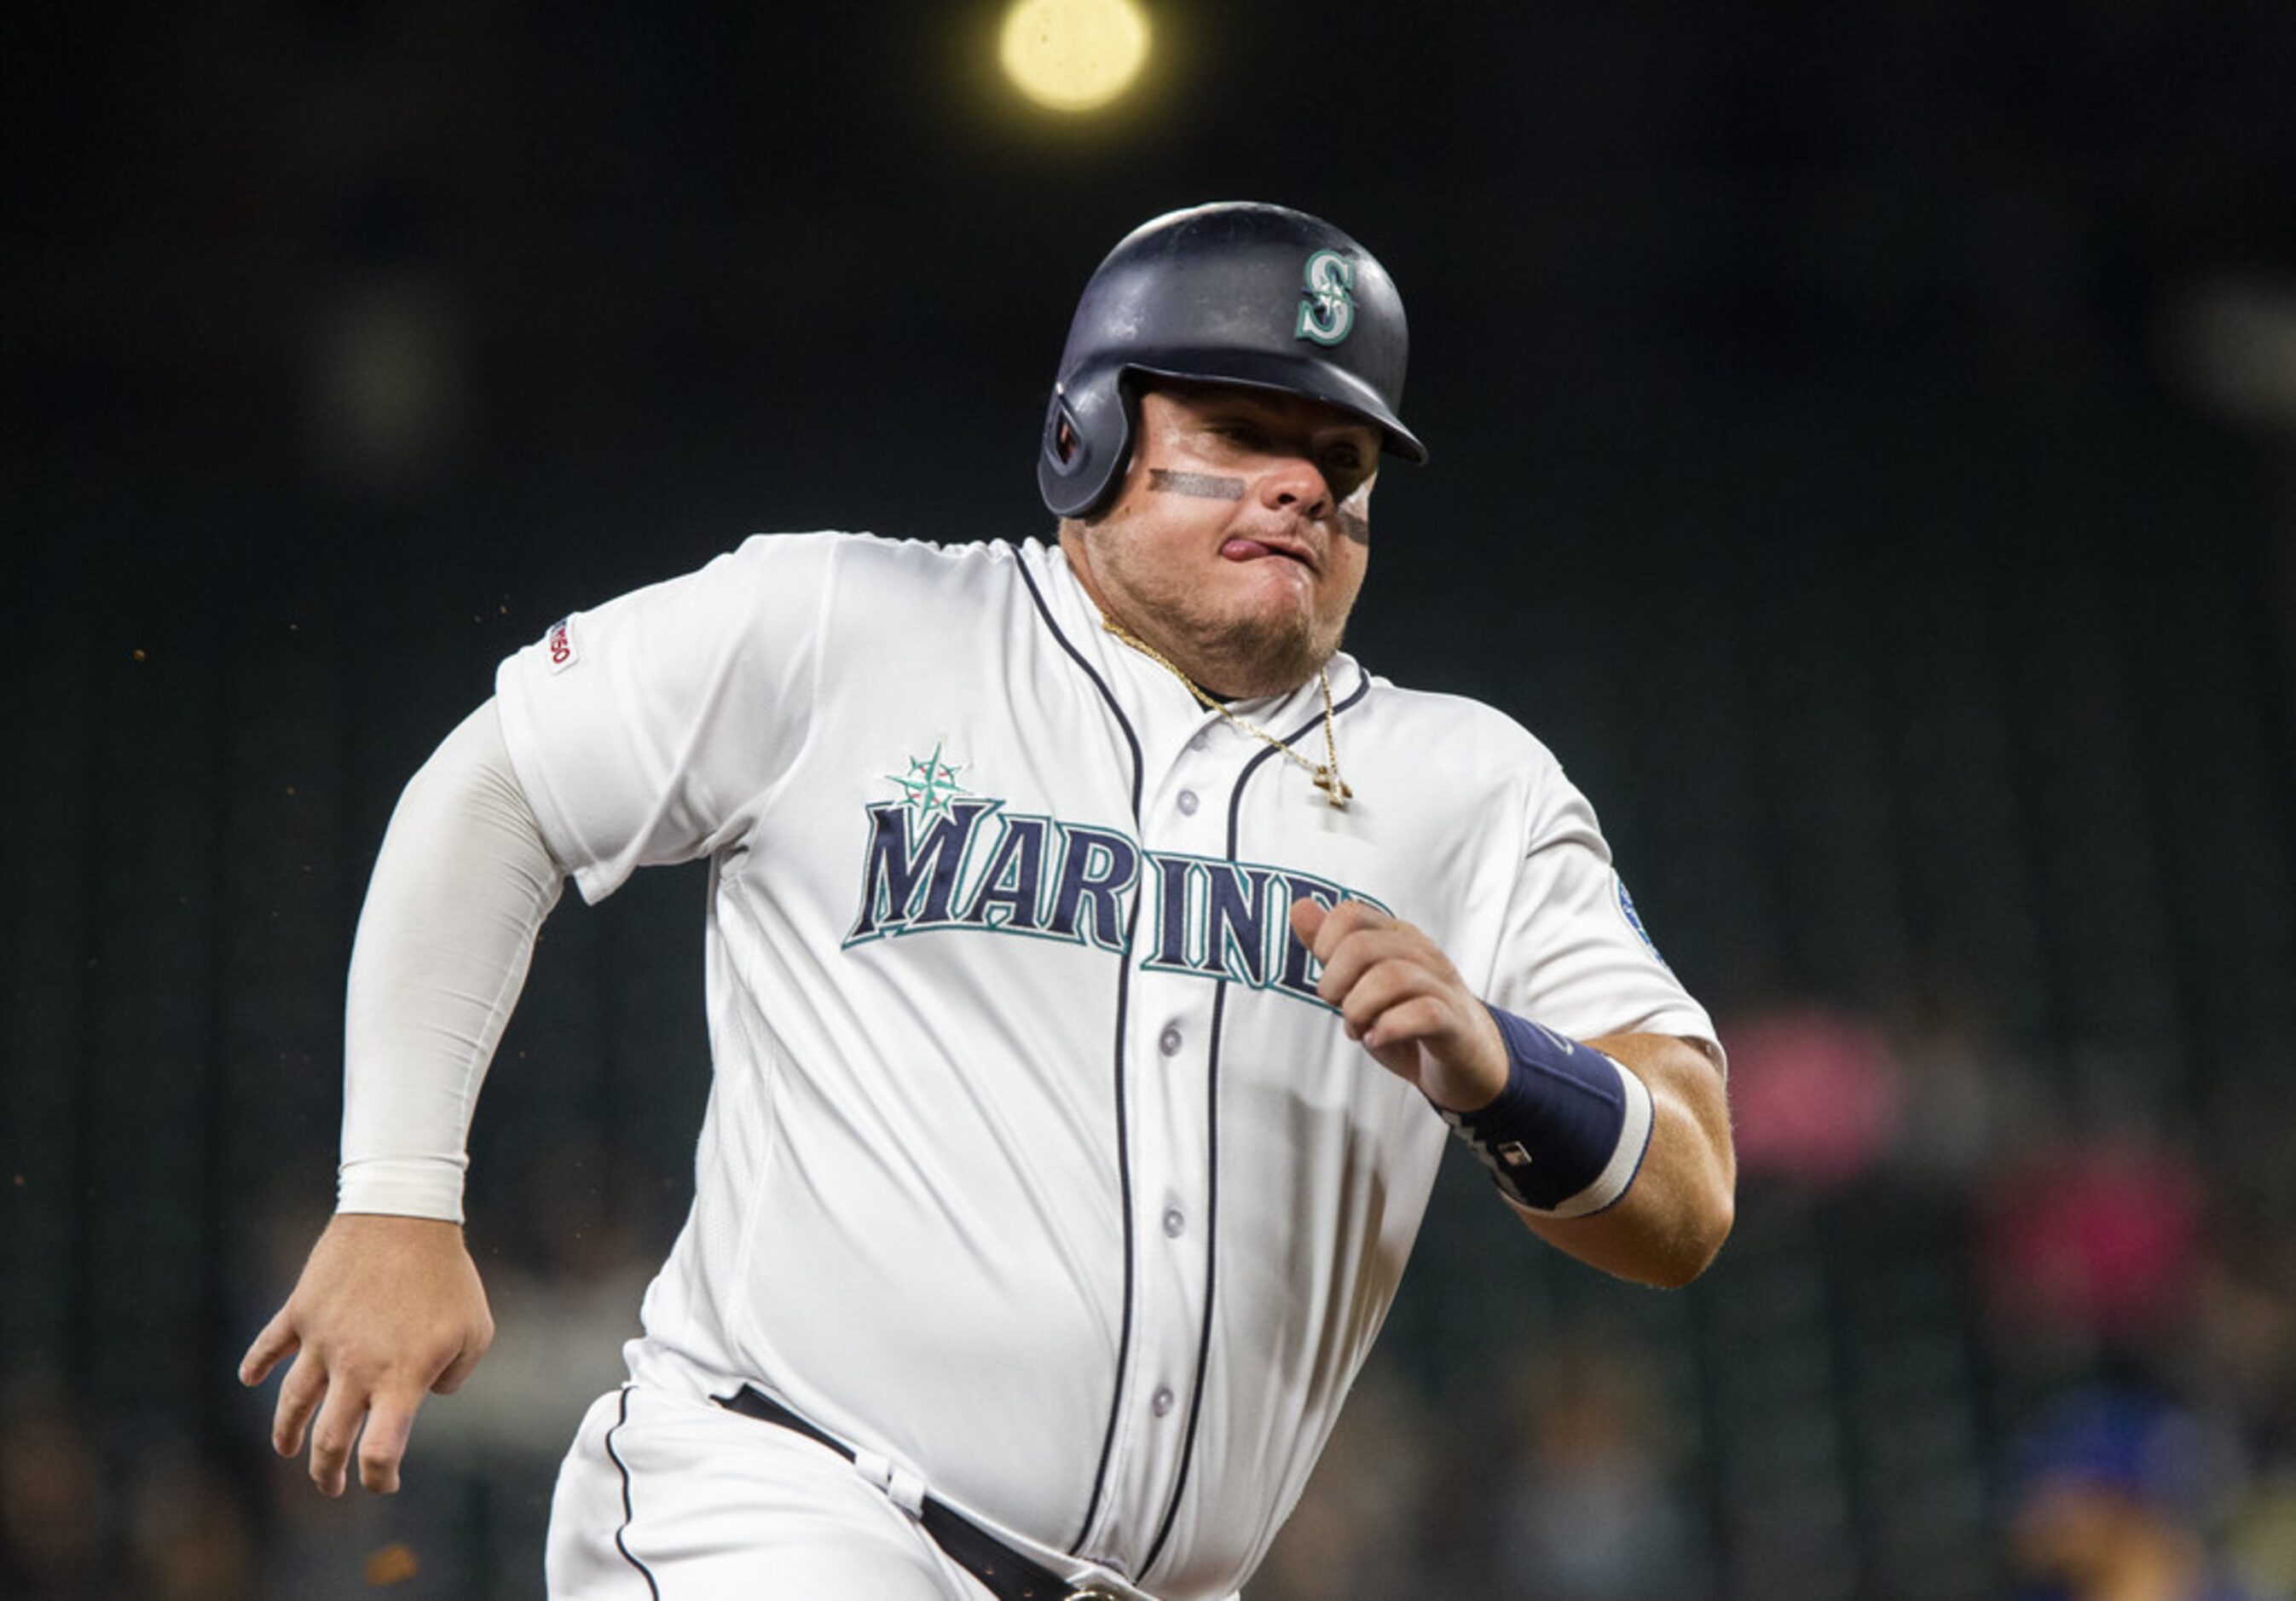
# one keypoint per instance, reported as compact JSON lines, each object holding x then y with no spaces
{"x":1203,"y":738}
{"x":1174,"y":1223}
{"x":1160,"y":1403}
{"x":1187,"y":802}
{"x":1169,"y":1041}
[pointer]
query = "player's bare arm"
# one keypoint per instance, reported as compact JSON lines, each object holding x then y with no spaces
{"x":1402,"y":1000}
{"x":388,"y":1310}
{"x":1672,"y":1221}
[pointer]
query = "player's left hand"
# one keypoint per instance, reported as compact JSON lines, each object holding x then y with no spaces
{"x":1405,"y":1002}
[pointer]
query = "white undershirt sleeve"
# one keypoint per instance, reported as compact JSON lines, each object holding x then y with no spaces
{"x":462,"y":886}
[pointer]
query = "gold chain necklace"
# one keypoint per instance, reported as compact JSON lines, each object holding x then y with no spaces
{"x":1326,"y":776}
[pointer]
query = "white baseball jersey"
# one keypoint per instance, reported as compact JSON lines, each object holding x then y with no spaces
{"x":1032,"y":1162}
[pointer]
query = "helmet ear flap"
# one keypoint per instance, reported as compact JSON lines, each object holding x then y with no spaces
{"x":1088,"y":433}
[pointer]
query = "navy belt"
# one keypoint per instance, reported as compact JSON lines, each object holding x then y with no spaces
{"x":1009,"y":1575}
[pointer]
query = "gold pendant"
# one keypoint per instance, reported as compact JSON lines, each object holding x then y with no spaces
{"x":1334,"y":788}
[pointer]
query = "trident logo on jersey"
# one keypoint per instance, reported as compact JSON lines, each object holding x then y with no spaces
{"x":1327,"y":305}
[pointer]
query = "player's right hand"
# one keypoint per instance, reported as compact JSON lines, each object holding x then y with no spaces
{"x":387,"y":1311}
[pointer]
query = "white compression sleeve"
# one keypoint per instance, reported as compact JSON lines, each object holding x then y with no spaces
{"x":461,"y":884}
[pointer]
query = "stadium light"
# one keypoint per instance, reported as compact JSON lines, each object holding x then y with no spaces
{"x":1073,"y":55}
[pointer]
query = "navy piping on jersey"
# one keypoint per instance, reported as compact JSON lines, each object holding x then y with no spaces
{"x":1211,"y":1251}
{"x":1211,"y":1143}
{"x":621,"y":1544}
{"x":1098,"y":683}
{"x":1123,"y":1124}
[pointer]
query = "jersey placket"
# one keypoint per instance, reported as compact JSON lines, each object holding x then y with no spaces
{"x":1172,"y":1050}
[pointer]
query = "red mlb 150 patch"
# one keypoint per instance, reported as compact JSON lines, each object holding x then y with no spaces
{"x":559,"y":643}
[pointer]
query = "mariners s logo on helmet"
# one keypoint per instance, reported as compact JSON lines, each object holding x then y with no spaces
{"x":1327,"y":305}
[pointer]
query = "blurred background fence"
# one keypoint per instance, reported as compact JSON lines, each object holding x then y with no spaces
{"x":1861,"y":450}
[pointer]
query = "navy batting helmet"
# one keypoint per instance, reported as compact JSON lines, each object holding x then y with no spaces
{"x":1236,"y":292}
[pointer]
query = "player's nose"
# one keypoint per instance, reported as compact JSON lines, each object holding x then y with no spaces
{"x":1295,"y":484}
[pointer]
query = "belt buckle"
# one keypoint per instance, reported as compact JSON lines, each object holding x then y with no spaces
{"x":1090,"y":1591}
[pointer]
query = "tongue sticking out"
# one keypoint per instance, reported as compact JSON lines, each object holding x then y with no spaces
{"x":1243,"y":550}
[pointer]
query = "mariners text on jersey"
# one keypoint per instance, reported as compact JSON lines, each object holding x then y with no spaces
{"x":944,"y":860}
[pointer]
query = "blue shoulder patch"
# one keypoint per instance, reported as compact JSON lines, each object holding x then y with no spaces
{"x":1634,"y":921}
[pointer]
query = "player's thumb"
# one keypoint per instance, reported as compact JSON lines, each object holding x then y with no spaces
{"x":1307,"y":919}
{"x":278,"y":1340}
{"x":1407,"y":1059}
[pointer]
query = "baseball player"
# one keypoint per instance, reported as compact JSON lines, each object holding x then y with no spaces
{"x":1099,"y":962}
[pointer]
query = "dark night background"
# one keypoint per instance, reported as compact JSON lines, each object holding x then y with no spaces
{"x":1861,"y":448}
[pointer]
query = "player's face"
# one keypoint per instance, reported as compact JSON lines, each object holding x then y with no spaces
{"x":1238,"y":542}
